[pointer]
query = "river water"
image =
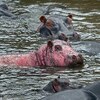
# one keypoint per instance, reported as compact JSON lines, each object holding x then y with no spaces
{"x":17,"y":35}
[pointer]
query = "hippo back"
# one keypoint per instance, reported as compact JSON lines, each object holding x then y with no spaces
{"x":94,"y":88}
{"x":72,"y":95}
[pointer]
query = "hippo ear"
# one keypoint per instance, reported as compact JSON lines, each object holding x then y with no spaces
{"x":50,"y":44}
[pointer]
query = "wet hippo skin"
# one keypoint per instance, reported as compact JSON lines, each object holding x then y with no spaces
{"x":61,"y":84}
{"x":91,"y":92}
{"x":55,"y":53}
{"x":59,"y":27}
{"x":89,"y":47}
{"x":69,"y":95}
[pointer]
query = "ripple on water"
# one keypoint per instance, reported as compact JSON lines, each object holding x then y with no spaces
{"x":18,"y":35}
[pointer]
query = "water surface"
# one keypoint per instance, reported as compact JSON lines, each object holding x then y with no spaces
{"x":18,"y":36}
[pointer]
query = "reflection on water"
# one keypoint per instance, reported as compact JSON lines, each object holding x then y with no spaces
{"x":17,"y":35}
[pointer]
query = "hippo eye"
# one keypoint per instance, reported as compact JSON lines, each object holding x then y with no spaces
{"x":58,"y":48}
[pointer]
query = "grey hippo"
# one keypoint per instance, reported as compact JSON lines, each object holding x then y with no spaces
{"x":90,"y":92}
{"x":4,"y":11}
{"x":57,"y":27}
{"x":61,"y":84}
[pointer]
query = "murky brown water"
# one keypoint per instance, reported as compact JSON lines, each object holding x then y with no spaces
{"x":17,"y":35}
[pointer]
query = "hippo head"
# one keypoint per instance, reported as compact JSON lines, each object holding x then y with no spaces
{"x":57,"y":85}
{"x":60,"y":84}
{"x":58,"y":53}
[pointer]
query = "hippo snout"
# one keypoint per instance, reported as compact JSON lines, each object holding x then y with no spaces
{"x":77,"y":61}
{"x":80,"y":60}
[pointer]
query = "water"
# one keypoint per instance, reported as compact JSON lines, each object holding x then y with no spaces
{"x":17,"y":35}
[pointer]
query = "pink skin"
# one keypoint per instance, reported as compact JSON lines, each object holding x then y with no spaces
{"x":54,"y":53}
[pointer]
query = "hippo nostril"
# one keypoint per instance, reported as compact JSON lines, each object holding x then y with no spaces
{"x":74,"y":57}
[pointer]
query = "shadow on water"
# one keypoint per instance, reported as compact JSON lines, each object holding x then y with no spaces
{"x":18,"y":36}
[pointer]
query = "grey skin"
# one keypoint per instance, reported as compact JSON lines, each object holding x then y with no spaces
{"x":4,"y":11}
{"x":91,"y":92}
{"x":63,"y":83}
{"x":59,"y":28}
{"x":88,"y":47}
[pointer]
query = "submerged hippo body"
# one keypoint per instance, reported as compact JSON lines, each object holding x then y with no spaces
{"x":60,"y":27}
{"x":89,"y":47}
{"x":4,"y":11}
{"x":54,"y":53}
{"x":91,"y":92}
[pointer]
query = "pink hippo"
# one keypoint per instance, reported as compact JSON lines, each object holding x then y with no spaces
{"x":55,"y":53}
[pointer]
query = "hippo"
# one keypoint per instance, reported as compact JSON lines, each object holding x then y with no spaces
{"x":59,"y":26}
{"x":88,"y":46}
{"x":56,"y":53}
{"x":4,"y":11}
{"x":91,"y":92}
{"x":60,"y":84}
